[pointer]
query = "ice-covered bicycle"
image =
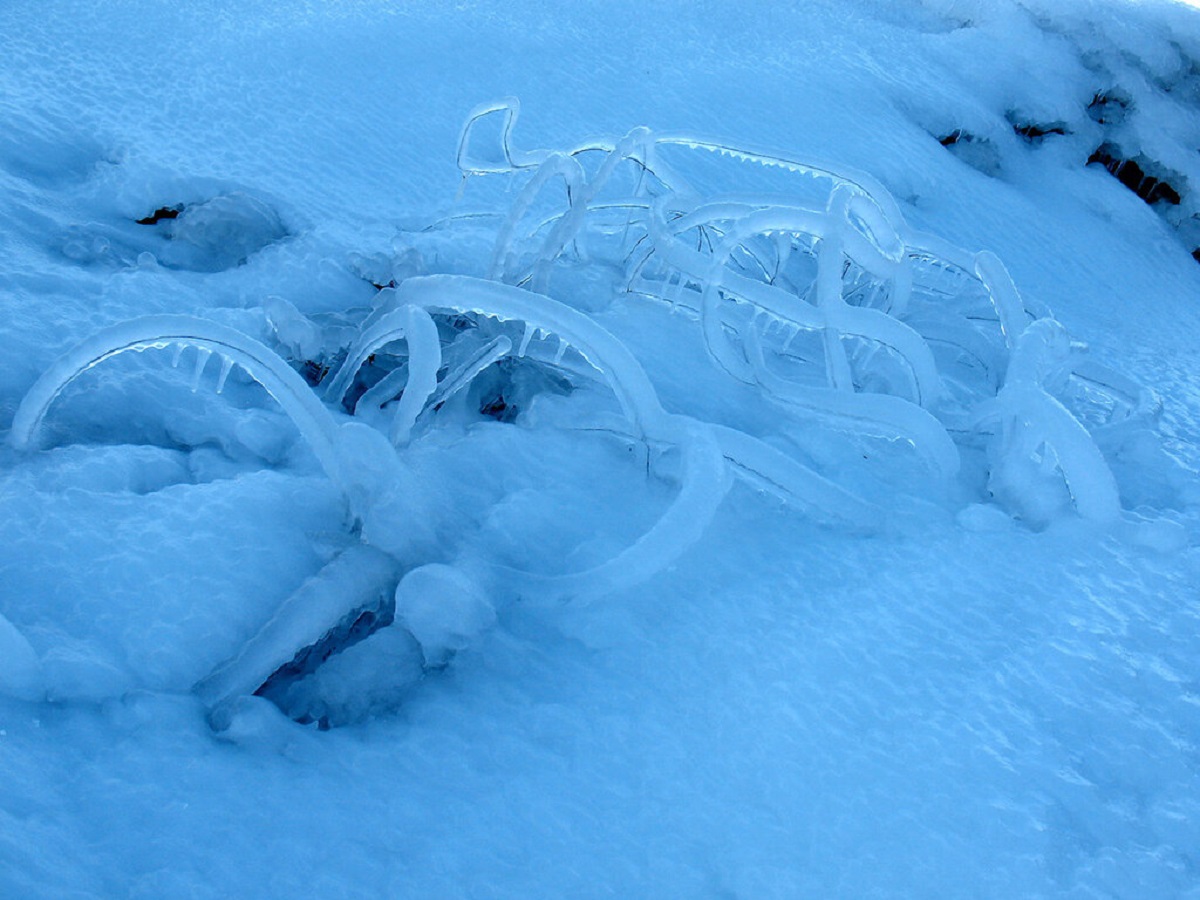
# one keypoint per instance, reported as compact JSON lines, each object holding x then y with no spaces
{"x":815,"y":294}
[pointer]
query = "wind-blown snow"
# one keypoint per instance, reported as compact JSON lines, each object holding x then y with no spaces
{"x":937,"y":635}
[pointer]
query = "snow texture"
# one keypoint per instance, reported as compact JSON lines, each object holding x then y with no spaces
{"x":759,"y":462}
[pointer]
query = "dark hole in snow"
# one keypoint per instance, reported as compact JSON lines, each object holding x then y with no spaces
{"x":313,"y":372}
{"x":354,"y":628}
{"x":1109,"y":107}
{"x":219,"y":233}
{"x":506,"y":389}
{"x":374,"y":370}
{"x":496,"y":408}
{"x":978,"y":153}
{"x":1132,"y":173}
{"x":163,"y":212}
{"x":1196,"y":254}
{"x":354,"y":394}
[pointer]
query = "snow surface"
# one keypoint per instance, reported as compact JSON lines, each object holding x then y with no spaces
{"x":919,"y":683}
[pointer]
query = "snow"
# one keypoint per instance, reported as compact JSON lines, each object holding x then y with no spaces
{"x":21,"y":675}
{"x":443,"y":609}
{"x":772,"y":471}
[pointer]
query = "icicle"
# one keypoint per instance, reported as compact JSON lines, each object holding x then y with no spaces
{"x":424,"y":361}
{"x":787,"y":344}
{"x":202,"y":355}
{"x":296,"y":398}
{"x":525,"y":339}
{"x":176,"y":354}
{"x":599,"y":349}
{"x":226,"y":365}
{"x":559,"y":351}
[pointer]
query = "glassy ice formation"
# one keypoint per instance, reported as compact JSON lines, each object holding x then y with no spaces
{"x":801,"y":281}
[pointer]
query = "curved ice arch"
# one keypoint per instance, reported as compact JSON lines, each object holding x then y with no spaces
{"x":424,"y":359}
{"x":831,"y":315}
{"x":509,"y":108}
{"x":882,"y":415}
{"x":573,"y":176}
{"x":1005,"y":299}
{"x":704,"y":478}
{"x":705,"y":481}
{"x":316,"y":424}
{"x":641,"y":145}
{"x":1028,"y":417}
{"x":457,"y":294}
{"x":891,"y":260}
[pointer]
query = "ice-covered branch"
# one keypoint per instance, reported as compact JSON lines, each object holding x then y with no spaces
{"x":1036,"y":434}
{"x":729,"y":259}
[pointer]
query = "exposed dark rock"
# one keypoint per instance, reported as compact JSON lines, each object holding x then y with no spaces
{"x":497,"y":408}
{"x":1133,"y":174}
{"x":978,"y":153}
{"x":352,"y":629}
{"x":1109,"y":107}
{"x":1033,"y":133}
{"x":313,"y":372}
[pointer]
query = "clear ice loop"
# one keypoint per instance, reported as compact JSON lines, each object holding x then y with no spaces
{"x":860,"y":234}
{"x":294,"y":396}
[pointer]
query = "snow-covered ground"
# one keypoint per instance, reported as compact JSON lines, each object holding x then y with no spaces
{"x":895,"y":679}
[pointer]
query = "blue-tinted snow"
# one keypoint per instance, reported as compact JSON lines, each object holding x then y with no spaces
{"x":954,"y":705}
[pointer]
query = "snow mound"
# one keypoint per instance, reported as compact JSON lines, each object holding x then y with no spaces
{"x":443,"y":609}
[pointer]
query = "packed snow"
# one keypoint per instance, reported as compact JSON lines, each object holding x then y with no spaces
{"x":640,"y":450}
